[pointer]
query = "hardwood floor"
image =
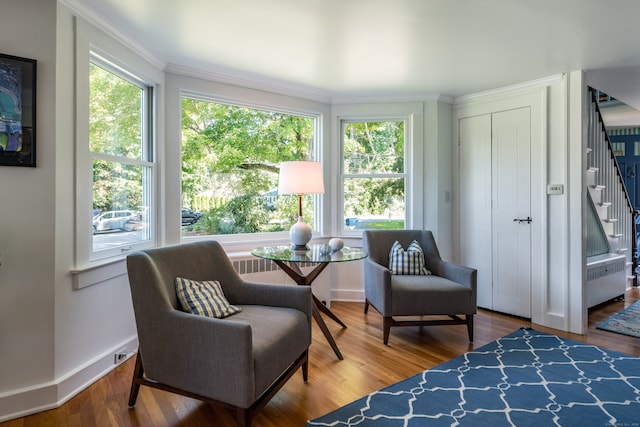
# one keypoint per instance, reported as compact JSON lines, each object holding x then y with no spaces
{"x":368,"y":366}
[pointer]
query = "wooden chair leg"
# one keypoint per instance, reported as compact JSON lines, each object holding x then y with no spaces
{"x":138,"y":372}
{"x":386,"y":328}
{"x":305,"y":369}
{"x":366,"y":306}
{"x":470,"y":326}
{"x":243,"y":417}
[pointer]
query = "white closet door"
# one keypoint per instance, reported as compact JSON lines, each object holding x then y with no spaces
{"x":511,"y":212}
{"x":495,"y":176}
{"x":475,"y":202}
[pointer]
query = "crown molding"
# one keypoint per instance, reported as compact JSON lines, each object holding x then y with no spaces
{"x":100,"y":22}
{"x":251,"y":82}
{"x":545,"y":81}
{"x":392,"y":98}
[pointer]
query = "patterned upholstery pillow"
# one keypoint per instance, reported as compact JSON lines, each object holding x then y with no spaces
{"x":409,"y":262}
{"x":204,"y":298}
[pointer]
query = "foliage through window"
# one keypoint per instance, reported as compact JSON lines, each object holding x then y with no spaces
{"x":230,"y":165}
{"x":121,"y":155}
{"x":373,"y":174}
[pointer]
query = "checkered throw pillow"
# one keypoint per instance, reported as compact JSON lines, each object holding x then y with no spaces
{"x":409,"y":262}
{"x":204,"y":298}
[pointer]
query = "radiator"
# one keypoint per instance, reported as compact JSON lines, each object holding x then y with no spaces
{"x":606,"y":278}
{"x":260,"y":265}
{"x":259,"y":270}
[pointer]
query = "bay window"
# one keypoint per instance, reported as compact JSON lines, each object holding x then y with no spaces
{"x":230,"y":167}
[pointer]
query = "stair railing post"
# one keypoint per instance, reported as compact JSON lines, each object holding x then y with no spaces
{"x":634,"y":245}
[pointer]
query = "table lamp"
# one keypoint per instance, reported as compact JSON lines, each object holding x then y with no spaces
{"x":299,"y":178}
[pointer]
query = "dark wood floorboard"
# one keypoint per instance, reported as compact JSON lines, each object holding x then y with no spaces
{"x":368,"y":366}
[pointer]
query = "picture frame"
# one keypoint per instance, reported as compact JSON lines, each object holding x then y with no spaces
{"x":17,"y":111}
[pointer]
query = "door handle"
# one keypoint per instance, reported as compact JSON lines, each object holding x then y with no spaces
{"x":520,"y":220}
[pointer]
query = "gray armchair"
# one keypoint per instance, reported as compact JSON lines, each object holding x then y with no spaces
{"x":449,"y":291}
{"x":240,"y":361}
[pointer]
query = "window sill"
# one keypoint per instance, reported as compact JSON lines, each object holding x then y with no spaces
{"x":104,"y":270}
{"x":94,"y":274}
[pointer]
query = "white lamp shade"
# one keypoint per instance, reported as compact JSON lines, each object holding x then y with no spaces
{"x":300,"y":177}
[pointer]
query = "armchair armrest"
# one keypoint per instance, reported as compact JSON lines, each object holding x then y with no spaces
{"x":377,"y":282}
{"x":195,"y":352}
{"x":458,"y":273}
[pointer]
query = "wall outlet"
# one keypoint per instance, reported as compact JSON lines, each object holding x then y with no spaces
{"x":119,"y":356}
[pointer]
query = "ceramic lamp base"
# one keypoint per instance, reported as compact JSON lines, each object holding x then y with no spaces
{"x":300,"y":234}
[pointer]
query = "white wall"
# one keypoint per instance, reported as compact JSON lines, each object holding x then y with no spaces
{"x":438,"y":181}
{"x":27,"y":212}
{"x":54,"y":340}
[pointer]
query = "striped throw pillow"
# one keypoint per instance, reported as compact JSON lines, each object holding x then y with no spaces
{"x":204,"y":298}
{"x":409,"y":262}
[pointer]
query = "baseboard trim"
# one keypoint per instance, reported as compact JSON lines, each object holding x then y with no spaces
{"x":27,"y":401}
{"x":51,"y":395}
{"x":347,"y":295}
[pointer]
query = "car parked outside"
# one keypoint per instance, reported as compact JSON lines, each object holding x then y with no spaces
{"x":190,"y":217}
{"x":113,"y":220}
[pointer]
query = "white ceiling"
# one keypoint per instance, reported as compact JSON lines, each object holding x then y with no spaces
{"x":378,"y":48}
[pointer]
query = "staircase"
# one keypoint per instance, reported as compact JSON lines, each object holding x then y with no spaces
{"x":610,"y":218}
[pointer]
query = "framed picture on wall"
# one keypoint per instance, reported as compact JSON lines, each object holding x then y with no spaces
{"x":17,"y":111}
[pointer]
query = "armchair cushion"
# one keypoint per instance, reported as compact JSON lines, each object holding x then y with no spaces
{"x":204,"y":298}
{"x":409,"y":262}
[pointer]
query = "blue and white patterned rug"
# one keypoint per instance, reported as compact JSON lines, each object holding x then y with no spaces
{"x":625,"y":322}
{"x":527,"y":378}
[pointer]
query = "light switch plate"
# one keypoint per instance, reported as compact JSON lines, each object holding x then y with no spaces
{"x":555,"y":189}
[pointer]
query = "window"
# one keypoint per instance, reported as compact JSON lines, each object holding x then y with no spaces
{"x":618,"y":148}
{"x":373,"y":174}
{"x":230,"y":164}
{"x":121,"y":156}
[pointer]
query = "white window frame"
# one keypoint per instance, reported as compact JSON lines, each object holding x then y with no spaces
{"x":389,"y":175}
{"x":412,"y":115}
{"x":147,"y":161}
{"x":316,"y":152}
{"x":93,"y":45}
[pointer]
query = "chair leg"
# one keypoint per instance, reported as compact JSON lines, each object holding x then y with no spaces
{"x":366,"y":306}
{"x":386,"y":328}
{"x":470,"y":326}
{"x":138,"y":372}
{"x":243,"y":417}
{"x":305,"y":369}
